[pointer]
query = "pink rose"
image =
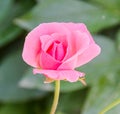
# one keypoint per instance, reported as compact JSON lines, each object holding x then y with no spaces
{"x":56,"y":49}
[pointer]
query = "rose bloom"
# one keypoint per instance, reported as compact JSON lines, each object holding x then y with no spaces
{"x":56,"y":49}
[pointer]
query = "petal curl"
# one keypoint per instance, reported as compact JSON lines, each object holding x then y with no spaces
{"x":78,"y":27}
{"x":90,"y":53}
{"x":77,"y":42}
{"x":69,"y":75}
{"x":76,"y":61}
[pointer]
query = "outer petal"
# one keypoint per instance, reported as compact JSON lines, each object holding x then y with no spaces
{"x":48,"y":62}
{"x":78,"y":27}
{"x":77,"y":44}
{"x":32,"y":48}
{"x":91,"y":52}
{"x":50,"y":28}
{"x":78,"y":60}
{"x":69,"y":75}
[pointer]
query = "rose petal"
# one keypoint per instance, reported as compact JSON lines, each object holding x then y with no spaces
{"x":69,"y":75}
{"x":47,"y":40}
{"x":61,"y":37}
{"x":57,"y":50}
{"x":32,"y":48}
{"x":91,"y":52}
{"x":78,"y":43}
{"x":78,"y":27}
{"x":32,"y":44}
{"x":48,"y":62}
{"x":50,"y":28}
{"x":76,"y":61}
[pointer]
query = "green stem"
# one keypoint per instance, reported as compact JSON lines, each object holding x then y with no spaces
{"x":56,"y":97}
{"x":110,"y":106}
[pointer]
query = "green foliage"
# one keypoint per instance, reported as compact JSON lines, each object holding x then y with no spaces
{"x":9,"y":9}
{"x":68,"y":10}
{"x":11,"y":71}
{"x":72,"y":103}
{"x":118,"y":40}
{"x":111,"y":5}
{"x":21,"y":92}
{"x":14,"y":109}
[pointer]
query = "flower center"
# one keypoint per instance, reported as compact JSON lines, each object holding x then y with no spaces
{"x":57,"y":50}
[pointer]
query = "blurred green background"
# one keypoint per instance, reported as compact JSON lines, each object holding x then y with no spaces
{"x":23,"y":93}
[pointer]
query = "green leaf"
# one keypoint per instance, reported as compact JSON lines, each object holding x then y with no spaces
{"x":9,"y":31}
{"x":105,"y":91}
{"x":68,"y":10}
{"x":72,"y":103}
{"x":118,"y":40}
{"x":12,"y":69}
{"x":69,"y":103}
{"x":35,"y":82}
{"x":110,"y":106}
{"x":104,"y":79}
{"x":15,"y":109}
{"x":115,"y":110}
{"x":9,"y":34}
{"x":60,"y":113}
{"x":5,"y":6}
{"x":110,"y":5}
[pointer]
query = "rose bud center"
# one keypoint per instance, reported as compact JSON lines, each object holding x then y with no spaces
{"x":57,"y":50}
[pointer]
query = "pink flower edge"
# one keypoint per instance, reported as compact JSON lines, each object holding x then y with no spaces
{"x":69,"y":75}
